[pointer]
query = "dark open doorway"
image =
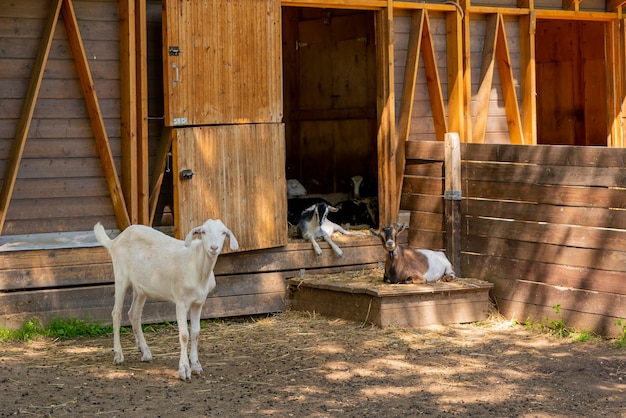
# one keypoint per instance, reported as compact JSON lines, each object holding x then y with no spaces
{"x":571,"y":83}
{"x":330,"y":88}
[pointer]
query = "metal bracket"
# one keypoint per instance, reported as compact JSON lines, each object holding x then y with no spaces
{"x":452,"y":195}
{"x":174,"y":51}
{"x":186,"y":174}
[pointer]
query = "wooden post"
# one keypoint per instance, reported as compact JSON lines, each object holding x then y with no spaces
{"x":452,"y":196}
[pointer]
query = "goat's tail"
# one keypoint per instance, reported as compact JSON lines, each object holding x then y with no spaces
{"x":102,"y":236}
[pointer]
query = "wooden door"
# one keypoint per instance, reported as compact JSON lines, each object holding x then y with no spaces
{"x":222,"y":62}
{"x":235,"y":173}
{"x":223,"y":93}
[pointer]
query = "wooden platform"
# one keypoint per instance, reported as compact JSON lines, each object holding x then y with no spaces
{"x":363,"y":296}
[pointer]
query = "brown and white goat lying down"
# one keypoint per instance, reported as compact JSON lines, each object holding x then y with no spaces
{"x":160,"y":267}
{"x":409,"y":265}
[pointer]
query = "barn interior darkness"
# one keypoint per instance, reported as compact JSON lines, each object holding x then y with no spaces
{"x":329,"y":76}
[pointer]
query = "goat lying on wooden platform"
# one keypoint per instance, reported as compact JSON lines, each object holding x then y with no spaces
{"x":160,"y":267}
{"x":409,"y":265}
{"x":315,"y":224}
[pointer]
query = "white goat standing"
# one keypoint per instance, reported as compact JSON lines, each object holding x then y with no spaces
{"x":158,"y":266}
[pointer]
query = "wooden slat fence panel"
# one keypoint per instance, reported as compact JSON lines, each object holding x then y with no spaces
{"x":545,"y":224}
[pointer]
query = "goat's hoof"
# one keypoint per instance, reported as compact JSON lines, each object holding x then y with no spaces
{"x":197,"y":369}
{"x":184,"y":371}
{"x":146,"y":355}
{"x":118,"y":358}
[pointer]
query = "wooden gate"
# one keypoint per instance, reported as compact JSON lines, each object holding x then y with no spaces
{"x":223,"y":95}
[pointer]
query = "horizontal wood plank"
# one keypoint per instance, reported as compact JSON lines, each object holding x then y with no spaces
{"x":492,"y":267}
{"x":546,"y":233}
{"x":546,"y":253}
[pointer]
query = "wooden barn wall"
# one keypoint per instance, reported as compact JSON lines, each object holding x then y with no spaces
{"x":60,"y":184}
{"x":545,"y":224}
{"x":422,"y":125}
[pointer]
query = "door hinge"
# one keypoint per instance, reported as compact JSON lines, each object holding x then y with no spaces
{"x":174,"y":51}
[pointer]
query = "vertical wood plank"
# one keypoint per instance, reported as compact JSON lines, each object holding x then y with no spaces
{"x":452,"y":195}
{"x":142,"y":169}
{"x":528,"y":111}
{"x":129,"y":106}
{"x":454,"y":41}
{"x":388,"y":191}
{"x":17,"y":148}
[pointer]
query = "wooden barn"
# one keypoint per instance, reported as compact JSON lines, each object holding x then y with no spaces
{"x":169,"y":112}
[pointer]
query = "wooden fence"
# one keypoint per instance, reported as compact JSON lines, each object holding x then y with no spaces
{"x":545,"y":224}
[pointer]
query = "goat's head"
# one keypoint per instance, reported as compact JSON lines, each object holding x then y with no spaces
{"x":355,"y":186}
{"x":295,"y":188}
{"x":213,"y":233}
{"x":388,"y":235}
{"x":318,"y":212}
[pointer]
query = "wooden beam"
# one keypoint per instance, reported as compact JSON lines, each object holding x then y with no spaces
{"x":93,"y":108}
{"x":615,"y":88}
{"x":143,"y":169}
{"x":389,"y":199}
{"x":128,"y":106}
{"x":17,"y":148}
{"x":452,"y":196}
{"x":467,"y":72}
{"x":528,"y":111}
{"x":454,"y":41}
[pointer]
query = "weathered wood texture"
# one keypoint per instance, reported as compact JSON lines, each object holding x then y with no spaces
{"x":365,"y":298}
{"x":78,"y":282}
{"x":59,"y":185}
{"x":228,"y":68}
{"x":545,"y":224}
{"x":238,"y":177}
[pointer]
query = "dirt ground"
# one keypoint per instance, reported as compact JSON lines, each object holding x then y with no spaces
{"x":301,"y":365}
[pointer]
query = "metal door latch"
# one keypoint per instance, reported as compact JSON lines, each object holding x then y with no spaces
{"x":186,"y":174}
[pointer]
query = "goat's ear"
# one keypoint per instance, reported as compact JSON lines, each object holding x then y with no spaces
{"x":234,"y":244}
{"x":374,"y":232}
{"x":190,"y":235}
{"x":401,"y":227}
{"x":333,"y":209}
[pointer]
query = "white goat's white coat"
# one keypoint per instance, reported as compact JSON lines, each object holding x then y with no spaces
{"x":158,"y":266}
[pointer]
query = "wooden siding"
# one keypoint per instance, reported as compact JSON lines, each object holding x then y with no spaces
{"x":239,"y":177}
{"x":60,"y":184}
{"x":545,"y":224}
{"x":228,"y":69}
{"x":78,"y":282}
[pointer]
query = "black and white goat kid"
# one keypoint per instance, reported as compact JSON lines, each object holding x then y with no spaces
{"x":409,"y":265}
{"x":314,"y":223}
